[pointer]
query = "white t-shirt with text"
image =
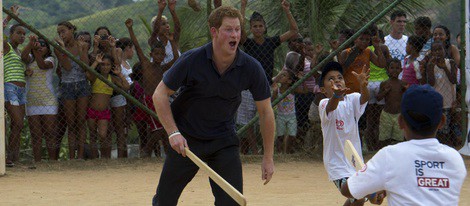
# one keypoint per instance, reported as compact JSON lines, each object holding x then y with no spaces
{"x":337,"y":127}
{"x":415,"y":172}
{"x":397,"y":47}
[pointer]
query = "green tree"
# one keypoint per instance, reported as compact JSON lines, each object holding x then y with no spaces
{"x":322,"y":19}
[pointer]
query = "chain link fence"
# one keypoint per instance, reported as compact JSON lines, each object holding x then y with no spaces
{"x":67,"y":112}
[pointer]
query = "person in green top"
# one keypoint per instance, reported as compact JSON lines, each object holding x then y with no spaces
{"x":14,"y":90}
{"x":377,"y":75}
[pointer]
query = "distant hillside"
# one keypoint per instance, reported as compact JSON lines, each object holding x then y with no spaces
{"x":46,"y":12}
{"x":114,"y":19}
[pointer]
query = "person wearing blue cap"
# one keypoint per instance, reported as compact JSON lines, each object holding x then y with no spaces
{"x":419,"y":171}
{"x":339,"y":115}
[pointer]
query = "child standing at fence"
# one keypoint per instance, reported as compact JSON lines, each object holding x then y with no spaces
{"x":391,"y":90}
{"x":441,"y":73}
{"x":377,"y":75}
{"x":74,"y":87}
{"x":161,"y":30}
{"x":138,"y":115}
{"x":286,"y":121}
{"x":118,"y":101}
{"x":85,"y":38}
{"x":411,"y":69}
{"x":261,"y":47}
{"x":152,"y":74}
{"x":104,"y":42}
{"x":98,"y":113}
{"x":14,"y":90}
{"x":42,"y":105}
{"x":339,"y":115}
{"x":442,"y":33}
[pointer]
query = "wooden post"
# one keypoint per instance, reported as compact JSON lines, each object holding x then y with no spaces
{"x":2,"y":105}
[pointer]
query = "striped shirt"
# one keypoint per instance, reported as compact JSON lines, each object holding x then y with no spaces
{"x":14,"y":68}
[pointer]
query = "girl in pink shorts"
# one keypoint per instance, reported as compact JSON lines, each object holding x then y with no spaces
{"x":98,"y":114}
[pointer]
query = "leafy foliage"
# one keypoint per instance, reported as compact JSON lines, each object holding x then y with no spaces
{"x":330,"y":16}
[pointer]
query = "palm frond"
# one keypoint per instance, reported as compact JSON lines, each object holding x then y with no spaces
{"x":146,"y":24}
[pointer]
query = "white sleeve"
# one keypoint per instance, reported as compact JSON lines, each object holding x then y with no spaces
{"x":359,"y":108}
{"x":324,"y":117}
{"x":416,"y":68}
{"x":371,"y":178}
{"x":50,"y":59}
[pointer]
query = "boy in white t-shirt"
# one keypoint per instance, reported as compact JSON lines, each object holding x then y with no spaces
{"x":420,"y":171}
{"x":339,"y":115}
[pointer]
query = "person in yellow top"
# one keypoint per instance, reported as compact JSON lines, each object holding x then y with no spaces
{"x":98,"y":114}
{"x":374,"y":107}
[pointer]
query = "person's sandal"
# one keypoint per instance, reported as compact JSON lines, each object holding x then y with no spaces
{"x":9,"y":163}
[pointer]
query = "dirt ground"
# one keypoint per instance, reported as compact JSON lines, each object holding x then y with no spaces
{"x":133,"y":182}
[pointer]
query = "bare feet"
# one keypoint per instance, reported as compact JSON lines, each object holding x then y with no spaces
{"x":194,"y":5}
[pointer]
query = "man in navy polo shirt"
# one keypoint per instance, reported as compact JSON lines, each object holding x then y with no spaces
{"x":211,"y":79}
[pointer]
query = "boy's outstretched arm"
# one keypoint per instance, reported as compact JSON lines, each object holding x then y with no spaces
{"x":242,"y":24}
{"x":176,"y":20}
{"x":293,"y":28}
{"x":332,"y":104}
{"x":363,"y":79}
{"x":156,"y":23}
{"x":338,"y":94}
{"x":140,"y":54}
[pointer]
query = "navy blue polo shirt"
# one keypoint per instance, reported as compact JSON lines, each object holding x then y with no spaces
{"x":206,"y":106}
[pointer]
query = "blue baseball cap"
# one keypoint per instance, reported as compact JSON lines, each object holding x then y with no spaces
{"x":423,"y":100}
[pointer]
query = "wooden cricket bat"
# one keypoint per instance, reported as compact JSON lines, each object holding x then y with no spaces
{"x":229,"y":189}
{"x":355,"y":160}
{"x":353,"y":157}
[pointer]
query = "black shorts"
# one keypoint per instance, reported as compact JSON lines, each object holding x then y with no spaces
{"x":222,"y":155}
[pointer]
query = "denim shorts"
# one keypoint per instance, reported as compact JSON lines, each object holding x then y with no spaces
{"x":75,"y":90}
{"x":14,"y":94}
{"x":286,"y":124}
